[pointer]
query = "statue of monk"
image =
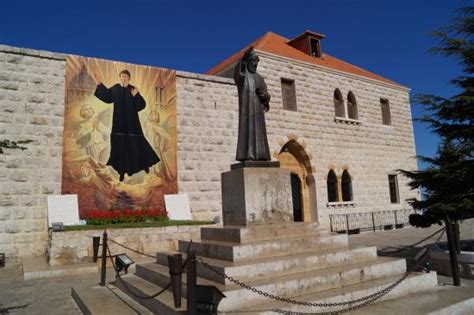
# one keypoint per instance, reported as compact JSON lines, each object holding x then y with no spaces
{"x":253,"y":103}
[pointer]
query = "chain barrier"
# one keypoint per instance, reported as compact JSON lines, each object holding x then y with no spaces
{"x":124,"y":283}
{"x":418,"y":243}
{"x":131,"y":249}
{"x":364,"y":301}
{"x":373,"y":296}
{"x":7,"y":309}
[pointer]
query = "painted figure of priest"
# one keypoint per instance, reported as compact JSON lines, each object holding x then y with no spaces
{"x":130,"y":152}
{"x":253,"y":103}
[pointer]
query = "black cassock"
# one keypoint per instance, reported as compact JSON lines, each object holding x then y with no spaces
{"x":254,"y":100}
{"x":130,"y":152}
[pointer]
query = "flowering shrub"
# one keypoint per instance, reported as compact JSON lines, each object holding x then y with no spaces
{"x":101,"y":217}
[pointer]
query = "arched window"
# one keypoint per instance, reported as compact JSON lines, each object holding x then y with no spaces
{"x":352,"y":106}
{"x":346,"y":186}
{"x":338,"y":104}
{"x":332,"y":186}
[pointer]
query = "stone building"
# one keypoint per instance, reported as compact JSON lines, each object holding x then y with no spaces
{"x":341,"y":130}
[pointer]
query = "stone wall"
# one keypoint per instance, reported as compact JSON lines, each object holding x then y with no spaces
{"x":369,"y":150}
{"x":207,"y":110}
{"x":74,"y":247}
{"x":31,"y":108}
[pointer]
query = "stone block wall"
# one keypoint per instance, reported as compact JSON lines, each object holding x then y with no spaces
{"x":207,"y":110}
{"x":369,"y":150}
{"x":74,"y":247}
{"x":32,"y":87}
{"x":31,"y":108}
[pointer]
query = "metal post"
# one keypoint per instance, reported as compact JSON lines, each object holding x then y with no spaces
{"x":457,"y":236}
{"x":330,"y":223}
{"x":347,"y":223}
{"x":175,"y":263}
{"x":396,"y":218}
{"x":373,"y":221}
{"x":191,"y":284}
{"x":103,"y":269}
{"x":95,"y":247}
{"x":452,"y":252}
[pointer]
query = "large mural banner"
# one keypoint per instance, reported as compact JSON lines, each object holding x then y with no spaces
{"x":119,"y":142}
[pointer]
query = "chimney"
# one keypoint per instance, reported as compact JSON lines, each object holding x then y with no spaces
{"x":309,"y":43}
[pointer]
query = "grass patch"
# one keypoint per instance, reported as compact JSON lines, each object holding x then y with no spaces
{"x":134,"y":225}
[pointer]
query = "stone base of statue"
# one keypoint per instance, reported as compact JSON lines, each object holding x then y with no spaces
{"x":256,"y":193}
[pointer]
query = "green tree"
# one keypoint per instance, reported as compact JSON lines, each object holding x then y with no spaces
{"x":448,"y":182}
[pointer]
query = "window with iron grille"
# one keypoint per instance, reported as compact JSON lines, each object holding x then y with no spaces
{"x":385,"y":105}
{"x":288,"y":92}
{"x":393,"y":186}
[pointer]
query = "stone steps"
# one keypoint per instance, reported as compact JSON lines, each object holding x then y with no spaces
{"x":242,"y":234}
{"x":162,"y":304}
{"x":287,"y":285}
{"x":106,"y":300}
{"x":268,"y":267}
{"x":237,"y":252}
{"x":415,"y":282}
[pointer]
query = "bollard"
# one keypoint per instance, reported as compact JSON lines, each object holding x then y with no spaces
{"x":175,"y":263}
{"x":103,"y":269}
{"x":191,"y":284}
{"x":373,"y":221}
{"x":95,"y":247}
{"x":347,"y":223}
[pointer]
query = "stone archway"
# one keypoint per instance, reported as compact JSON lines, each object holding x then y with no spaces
{"x":293,"y":157}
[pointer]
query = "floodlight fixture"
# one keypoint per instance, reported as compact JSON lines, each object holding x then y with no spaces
{"x":57,"y":226}
{"x":122,"y":262}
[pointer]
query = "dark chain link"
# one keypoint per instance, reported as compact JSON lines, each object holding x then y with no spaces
{"x":131,"y":249}
{"x":368,"y":302}
{"x":125,"y":284}
{"x":364,"y":301}
{"x":419,"y":242}
{"x":290,"y":301}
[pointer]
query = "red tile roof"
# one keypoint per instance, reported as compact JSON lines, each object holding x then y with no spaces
{"x":278,"y":45}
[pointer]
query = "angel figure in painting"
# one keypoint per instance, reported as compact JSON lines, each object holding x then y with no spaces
{"x":91,"y":134}
{"x":158,"y":133}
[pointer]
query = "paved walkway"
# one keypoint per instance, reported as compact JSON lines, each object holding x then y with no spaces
{"x":53,"y":295}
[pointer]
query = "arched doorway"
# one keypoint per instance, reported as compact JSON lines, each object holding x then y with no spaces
{"x":293,"y":157}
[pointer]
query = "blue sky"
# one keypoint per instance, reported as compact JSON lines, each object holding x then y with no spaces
{"x":390,"y":38}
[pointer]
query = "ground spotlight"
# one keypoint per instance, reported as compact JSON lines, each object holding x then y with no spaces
{"x":122,"y":262}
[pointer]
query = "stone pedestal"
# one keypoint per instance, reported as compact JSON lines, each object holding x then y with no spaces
{"x":256,"y":195}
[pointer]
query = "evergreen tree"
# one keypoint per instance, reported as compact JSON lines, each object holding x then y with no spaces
{"x":448,"y":183}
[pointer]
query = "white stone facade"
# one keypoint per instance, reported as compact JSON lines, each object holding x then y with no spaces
{"x":32,"y":86}
{"x":31,"y":108}
{"x":369,"y":150}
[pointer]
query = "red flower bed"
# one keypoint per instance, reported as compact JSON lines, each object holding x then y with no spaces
{"x":99,"y":217}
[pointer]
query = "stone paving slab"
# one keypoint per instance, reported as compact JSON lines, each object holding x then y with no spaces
{"x":43,"y":296}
